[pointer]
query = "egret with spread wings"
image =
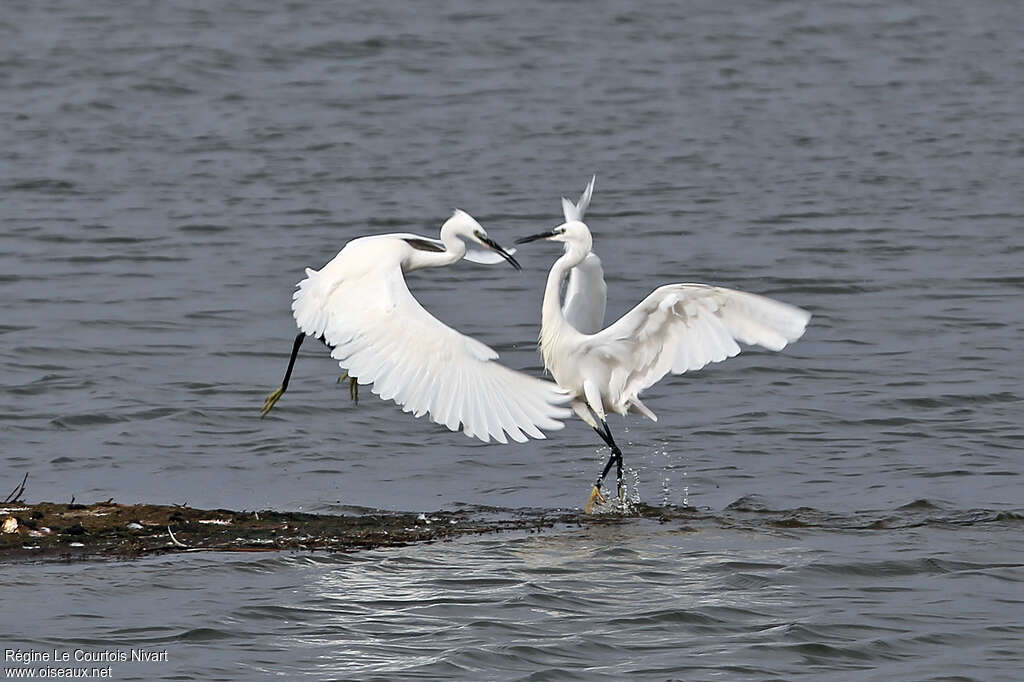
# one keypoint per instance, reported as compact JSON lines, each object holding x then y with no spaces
{"x":678,"y":328}
{"x":359,"y":305}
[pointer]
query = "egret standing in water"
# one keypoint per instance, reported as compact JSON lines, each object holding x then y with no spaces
{"x":359,"y":305}
{"x":678,"y":328}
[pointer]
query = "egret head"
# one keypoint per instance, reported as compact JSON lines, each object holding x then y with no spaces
{"x":573,"y":233}
{"x":479,"y":247}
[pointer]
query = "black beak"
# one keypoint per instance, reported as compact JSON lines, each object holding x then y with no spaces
{"x":535,"y":237}
{"x":502,"y":252}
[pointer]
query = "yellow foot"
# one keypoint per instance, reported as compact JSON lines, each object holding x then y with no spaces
{"x":271,"y":401}
{"x":595,"y":496}
{"x":353,"y":387}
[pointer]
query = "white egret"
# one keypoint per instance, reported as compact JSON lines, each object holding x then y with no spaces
{"x":359,"y":305}
{"x":678,"y":328}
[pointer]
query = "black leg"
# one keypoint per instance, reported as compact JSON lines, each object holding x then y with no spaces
{"x":291,"y":361}
{"x":273,"y":397}
{"x":614,"y":458}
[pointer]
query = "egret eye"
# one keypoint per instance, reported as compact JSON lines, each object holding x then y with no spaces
{"x":479,"y":235}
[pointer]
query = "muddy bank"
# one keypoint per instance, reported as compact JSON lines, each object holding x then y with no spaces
{"x":49,"y":531}
{"x":108,"y":530}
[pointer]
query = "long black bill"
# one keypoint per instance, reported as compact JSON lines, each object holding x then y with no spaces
{"x":535,"y":237}
{"x":502,"y":252}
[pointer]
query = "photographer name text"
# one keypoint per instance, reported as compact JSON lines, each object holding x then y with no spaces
{"x":30,"y":656}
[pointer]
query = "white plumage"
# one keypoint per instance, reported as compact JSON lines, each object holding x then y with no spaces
{"x":360,"y":306}
{"x":586,"y":295}
{"x":678,"y":328}
{"x":681,"y":328}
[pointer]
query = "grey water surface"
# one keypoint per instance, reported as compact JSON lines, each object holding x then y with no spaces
{"x":167,"y":170}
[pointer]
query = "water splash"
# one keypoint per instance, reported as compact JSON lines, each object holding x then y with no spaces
{"x":668,"y":468}
{"x":635,"y":497}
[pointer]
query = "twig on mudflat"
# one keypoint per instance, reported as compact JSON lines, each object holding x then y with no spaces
{"x":174,"y":540}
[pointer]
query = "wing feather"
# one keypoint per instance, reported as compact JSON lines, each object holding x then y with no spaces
{"x":480,"y":410}
{"x":517,"y":432}
{"x":683,"y":327}
{"x":382,"y":336}
{"x":521,"y":414}
{"x":473,"y":409}
{"x":454,"y":406}
{"x":502,"y":418}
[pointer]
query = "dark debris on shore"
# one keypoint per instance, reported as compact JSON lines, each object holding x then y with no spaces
{"x":108,"y":530}
{"x":48,"y":531}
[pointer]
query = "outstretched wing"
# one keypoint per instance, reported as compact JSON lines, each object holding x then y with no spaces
{"x":586,"y":295}
{"x":381,"y":335}
{"x":683,"y":327}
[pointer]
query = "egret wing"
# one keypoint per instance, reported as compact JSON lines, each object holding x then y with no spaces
{"x":683,"y":327}
{"x":382,"y":335}
{"x":586,"y":296}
